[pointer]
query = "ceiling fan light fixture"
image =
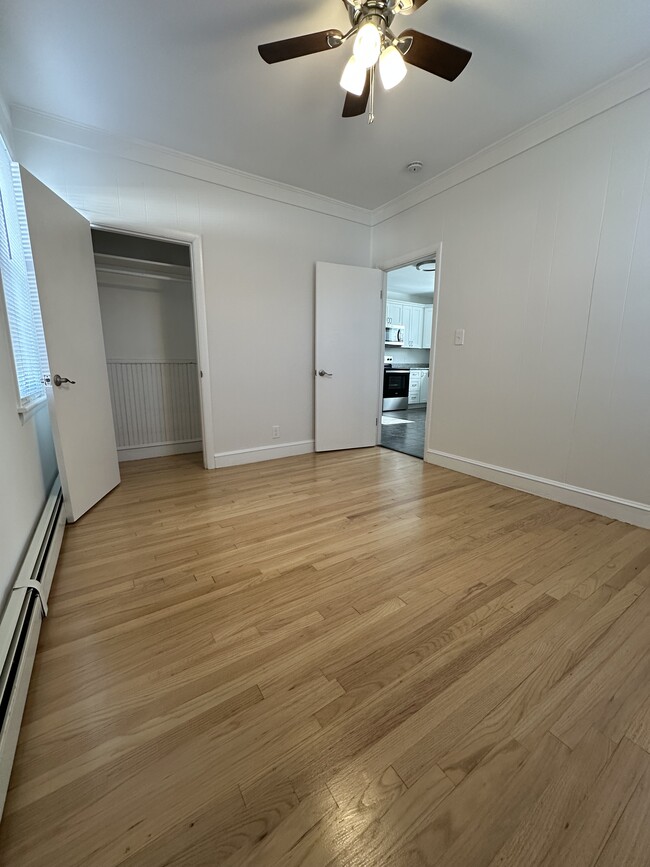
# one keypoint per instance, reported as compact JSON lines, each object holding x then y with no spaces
{"x":392,"y":68}
{"x":367,"y":45}
{"x":354,"y":76}
{"x":404,"y":7}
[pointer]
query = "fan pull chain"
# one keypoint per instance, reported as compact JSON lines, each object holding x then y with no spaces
{"x":371,"y":110}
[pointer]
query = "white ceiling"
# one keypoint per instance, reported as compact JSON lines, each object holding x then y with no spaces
{"x":188,"y":76}
{"x":410,"y":281}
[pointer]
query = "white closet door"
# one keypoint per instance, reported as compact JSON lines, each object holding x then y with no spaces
{"x":82,"y":420}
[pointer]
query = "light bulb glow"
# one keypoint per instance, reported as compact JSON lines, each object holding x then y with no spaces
{"x":354,"y":76}
{"x":392,"y":68}
{"x":367,"y":45}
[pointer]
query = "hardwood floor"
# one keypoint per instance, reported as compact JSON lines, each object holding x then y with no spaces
{"x":351,"y":658}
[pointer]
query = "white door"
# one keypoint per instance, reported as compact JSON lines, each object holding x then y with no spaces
{"x":82,"y":420}
{"x":348,"y":355}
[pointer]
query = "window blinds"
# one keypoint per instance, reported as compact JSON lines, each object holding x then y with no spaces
{"x":19,"y":285}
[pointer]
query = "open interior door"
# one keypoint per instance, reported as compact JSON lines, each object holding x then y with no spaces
{"x":348,"y":355}
{"x":77,"y":391}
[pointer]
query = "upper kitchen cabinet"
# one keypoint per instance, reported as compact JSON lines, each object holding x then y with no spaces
{"x":416,"y":319}
{"x":413,"y":318}
{"x":427,"y":326}
{"x":394,"y":313}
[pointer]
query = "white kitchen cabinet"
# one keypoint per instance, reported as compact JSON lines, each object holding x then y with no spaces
{"x":427,"y":326}
{"x":394,"y":313}
{"x":414,"y":385}
{"x":424,"y":386}
{"x":413,"y":316}
{"x":418,"y":385}
{"x":416,"y":319}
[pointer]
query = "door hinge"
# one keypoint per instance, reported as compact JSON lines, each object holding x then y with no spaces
{"x":376,"y":422}
{"x":201,"y":374}
{"x":381,"y":293}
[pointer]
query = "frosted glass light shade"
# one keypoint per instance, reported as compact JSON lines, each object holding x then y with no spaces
{"x":367,"y":45}
{"x":392,"y":68}
{"x":354,"y":76}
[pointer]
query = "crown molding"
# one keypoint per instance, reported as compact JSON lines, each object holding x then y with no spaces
{"x":615,"y":91}
{"x":6,"y":127}
{"x":611,"y":93}
{"x":47,"y":126}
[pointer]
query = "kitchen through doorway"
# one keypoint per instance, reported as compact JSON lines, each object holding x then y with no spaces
{"x":149,"y":325}
{"x":407,"y":349}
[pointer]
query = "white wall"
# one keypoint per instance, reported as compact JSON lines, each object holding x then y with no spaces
{"x":259,"y":256}
{"x":151,"y":323}
{"x":27,"y":469}
{"x":27,"y":461}
{"x":546,"y":265}
{"x":404,"y":355}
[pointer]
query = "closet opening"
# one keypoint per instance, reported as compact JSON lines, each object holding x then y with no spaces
{"x":149,"y":322}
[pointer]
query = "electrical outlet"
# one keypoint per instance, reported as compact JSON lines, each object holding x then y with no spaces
{"x":275,"y":431}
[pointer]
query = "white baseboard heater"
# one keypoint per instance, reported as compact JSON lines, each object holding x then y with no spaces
{"x":21,"y":624}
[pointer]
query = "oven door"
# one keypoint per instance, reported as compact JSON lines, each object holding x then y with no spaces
{"x":396,"y":389}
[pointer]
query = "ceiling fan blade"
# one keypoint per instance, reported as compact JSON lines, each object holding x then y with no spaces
{"x":299,"y":46}
{"x":418,"y":3}
{"x":355,"y":105}
{"x":435,"y":56}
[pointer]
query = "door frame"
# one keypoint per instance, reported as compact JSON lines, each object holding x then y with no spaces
{"x":195,"y":244}
{"x":412,"y":257}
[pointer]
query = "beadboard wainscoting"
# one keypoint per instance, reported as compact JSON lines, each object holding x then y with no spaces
{"x":156,"y":407}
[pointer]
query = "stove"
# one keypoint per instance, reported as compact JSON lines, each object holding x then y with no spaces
{"x":396,"y":386}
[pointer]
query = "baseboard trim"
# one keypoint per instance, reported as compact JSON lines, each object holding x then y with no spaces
{"x":263,"y":453}
{"x":20,"y":624}
{"x":159,"y":450}
{"x":592,"y":501}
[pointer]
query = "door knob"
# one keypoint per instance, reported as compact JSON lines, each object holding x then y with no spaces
{"x":60,"y":380}
{"x":324,"y":373}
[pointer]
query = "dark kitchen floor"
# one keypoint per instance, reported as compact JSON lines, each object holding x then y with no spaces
{"x":405,"y":438}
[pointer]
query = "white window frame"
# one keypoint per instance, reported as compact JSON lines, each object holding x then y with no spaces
{"x":20,"y":299}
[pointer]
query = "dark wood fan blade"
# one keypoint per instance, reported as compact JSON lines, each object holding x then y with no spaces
{"x":435,"y":56}
{"x":418,"y":3}
{"x":355,"y":105}
{"x":298,"y":46}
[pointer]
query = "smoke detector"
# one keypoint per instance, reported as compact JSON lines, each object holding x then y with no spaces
{"x":415,"y":167}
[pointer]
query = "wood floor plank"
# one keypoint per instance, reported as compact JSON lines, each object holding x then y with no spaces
{"x":470,"y":824}
{"x":549,"y":816}
{"x":273,"y":848}
{"x":629,"y":842}
{"x":406,"y":817}
{"x":351,"y":658}
{"x":638,"y":729}
{"x":583,"y":839}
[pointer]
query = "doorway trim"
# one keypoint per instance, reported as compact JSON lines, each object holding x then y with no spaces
{"x":195,"y":243}
{"x":434,"y":251}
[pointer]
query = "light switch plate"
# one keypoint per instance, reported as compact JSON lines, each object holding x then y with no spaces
{"x":459,"y":337}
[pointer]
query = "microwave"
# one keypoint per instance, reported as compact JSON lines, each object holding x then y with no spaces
{"x":394,"y":335}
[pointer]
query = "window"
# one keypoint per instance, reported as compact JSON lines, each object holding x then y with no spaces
{"x":19,"y":285}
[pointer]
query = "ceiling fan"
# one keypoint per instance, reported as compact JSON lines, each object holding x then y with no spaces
{"x":375,"y":45}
